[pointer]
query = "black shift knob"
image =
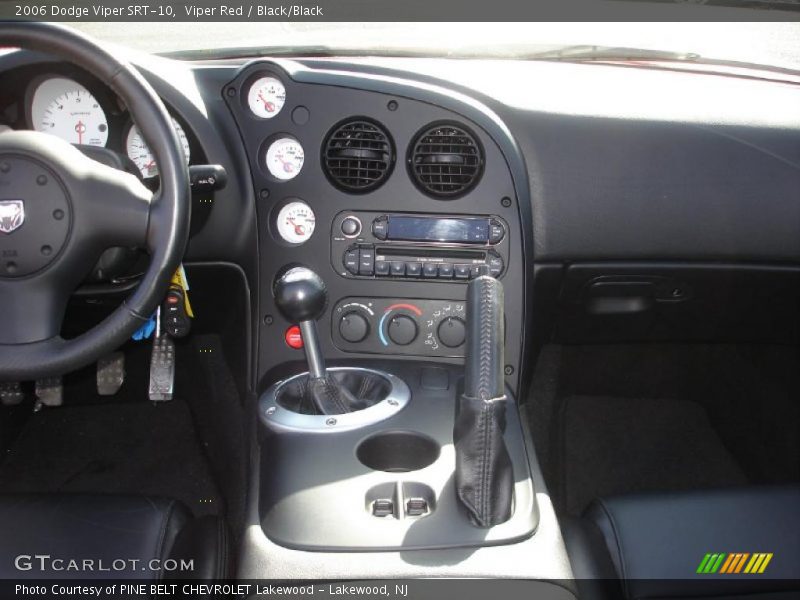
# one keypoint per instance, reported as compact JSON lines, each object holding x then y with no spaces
{"x":300,"y":295}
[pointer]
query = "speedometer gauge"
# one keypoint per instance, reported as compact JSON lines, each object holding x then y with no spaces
{"x":139,"y":152}
{"x":266,"y":97}
{"x":285,"y":158}
{"x":296,"y":222}
{"x":65,"y":108}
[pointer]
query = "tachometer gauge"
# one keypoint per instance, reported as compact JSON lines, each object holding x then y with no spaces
{"x":139,"y":152}
{"x":296,"y":222}
{"x":65,"y":108}
{"x":266,"y":97}
{"x":285,"y":158}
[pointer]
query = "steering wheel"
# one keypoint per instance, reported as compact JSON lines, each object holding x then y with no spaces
{"x":59,"y":210}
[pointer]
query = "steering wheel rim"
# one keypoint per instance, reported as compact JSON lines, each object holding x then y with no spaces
{"x":161,"y":223}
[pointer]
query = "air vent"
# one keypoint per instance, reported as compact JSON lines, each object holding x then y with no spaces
{"x":358,"y":155}
{"x":446,"y":160}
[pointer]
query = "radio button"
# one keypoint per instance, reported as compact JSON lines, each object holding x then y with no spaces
{"x":351,"y":261}
{"x":398,"y":269}
{"x":445,"y":271}
{"x":382,"y":268}
{"x":366,"y":262}
{"x":380,"y":228}
{"x":496,"y":231}
{"x":495,"y":263}
{"x":462,"y":271}
{"x":475,"y":271}
{"x":413,"y":269}
{"x":351,"y":226}
{"x":430,"y":270}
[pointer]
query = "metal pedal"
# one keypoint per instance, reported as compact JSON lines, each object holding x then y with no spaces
{"x":11,"y":393}
{"x":162,"y":364}
{"x":110,"y":373}
{"x":50,"y":391}
{"x":162,"y":369}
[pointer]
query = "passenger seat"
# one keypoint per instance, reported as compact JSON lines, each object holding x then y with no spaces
{"x":655,"y":545}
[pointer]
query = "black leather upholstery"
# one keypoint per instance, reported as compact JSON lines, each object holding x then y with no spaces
{"x":131,"y":530}
{"x":657,"y":541}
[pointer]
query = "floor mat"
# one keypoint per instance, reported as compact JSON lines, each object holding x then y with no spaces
{"x":128,"y":448}
{"x":620,"y":445}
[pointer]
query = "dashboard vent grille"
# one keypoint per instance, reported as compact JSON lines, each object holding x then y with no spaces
{"x":446,"y":160}
{"x":358,"y":155}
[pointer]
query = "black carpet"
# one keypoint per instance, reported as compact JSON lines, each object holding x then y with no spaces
{"x":620,"y":445}
{"x":615,"y":418}
{"x":115,"y":448}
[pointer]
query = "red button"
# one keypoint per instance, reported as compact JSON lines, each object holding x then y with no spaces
{"x":293,"y":337}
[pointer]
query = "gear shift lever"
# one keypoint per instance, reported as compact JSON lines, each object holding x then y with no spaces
{"x":301,"y":297}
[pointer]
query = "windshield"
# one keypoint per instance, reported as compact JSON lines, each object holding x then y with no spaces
{"x":775,"y":45}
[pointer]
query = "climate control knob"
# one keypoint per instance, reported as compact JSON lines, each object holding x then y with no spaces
{"x":353,"y":327}
{"x":402,"y":330}
{"x":452,"y":332}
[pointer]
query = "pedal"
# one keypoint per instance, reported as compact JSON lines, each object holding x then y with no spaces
{"x":174,"y":318}
{"x":11,"y":393}
{"x":50,"y":391}
{"x":110,"y":373}
{"x":162,"y":369}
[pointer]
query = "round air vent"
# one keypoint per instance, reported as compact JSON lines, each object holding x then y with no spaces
{"x":445,"y":160}
{"x":358,"y":155}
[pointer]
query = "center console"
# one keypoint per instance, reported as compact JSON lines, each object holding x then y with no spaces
{"x":385,"y":483}
{"x":400,"y":433}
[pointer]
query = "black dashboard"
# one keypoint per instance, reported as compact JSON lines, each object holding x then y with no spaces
{"x":398,"y":181}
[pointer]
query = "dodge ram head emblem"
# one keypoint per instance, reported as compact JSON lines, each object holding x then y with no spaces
{"x":12,"y":215}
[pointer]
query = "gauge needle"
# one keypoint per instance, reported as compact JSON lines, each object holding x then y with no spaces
{"x":287,"y":166}
{"x":150,"y":165}
{"x":267,"y":105}
{"x":298,"y":229}
{"x":80,"y":128}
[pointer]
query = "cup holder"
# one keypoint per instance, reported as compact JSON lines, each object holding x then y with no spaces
{"x":397,"y":451}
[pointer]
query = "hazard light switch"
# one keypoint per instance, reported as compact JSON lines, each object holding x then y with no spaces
{"x":293,"y":337}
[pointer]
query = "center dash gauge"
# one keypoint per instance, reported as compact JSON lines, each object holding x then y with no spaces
{"x":296,"y":222}
{"x":285,"y":158}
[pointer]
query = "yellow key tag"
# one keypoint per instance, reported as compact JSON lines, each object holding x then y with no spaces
{"x":179,"y":279}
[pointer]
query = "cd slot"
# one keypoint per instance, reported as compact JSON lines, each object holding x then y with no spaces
{"x":430,"y":254}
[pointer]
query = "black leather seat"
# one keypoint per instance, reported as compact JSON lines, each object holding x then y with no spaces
{"x":97,"y":536}
{"x":653,"y":544}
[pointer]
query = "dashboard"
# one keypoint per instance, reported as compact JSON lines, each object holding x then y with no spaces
{"x":399,"y":180}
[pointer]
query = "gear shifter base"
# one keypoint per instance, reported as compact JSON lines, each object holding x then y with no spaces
{"x":339,"y":391}
{"x":371,"y":396}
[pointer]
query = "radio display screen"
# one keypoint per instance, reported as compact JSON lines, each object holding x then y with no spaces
{"x":426,"y":229}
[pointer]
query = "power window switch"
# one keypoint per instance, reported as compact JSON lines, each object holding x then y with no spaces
{"x":416,"y":507}
{"x":382,"y":508}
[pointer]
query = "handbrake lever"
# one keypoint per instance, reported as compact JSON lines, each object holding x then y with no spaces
{"x":484,"y":473}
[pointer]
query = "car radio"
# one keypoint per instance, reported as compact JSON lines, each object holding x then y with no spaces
{"x":414,"y":246}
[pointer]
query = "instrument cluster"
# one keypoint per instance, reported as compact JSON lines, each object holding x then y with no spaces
{"x":82,"y":111}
